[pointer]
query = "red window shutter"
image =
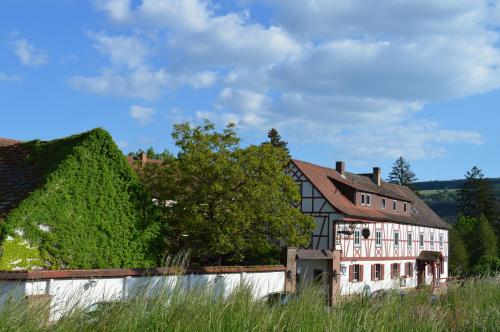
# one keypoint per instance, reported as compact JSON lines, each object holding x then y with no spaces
{"x":373,"y":272}
{"x":351,"y":273}
{"x":401,"y":269}
{"x":360,"y":272}
{"x":382,"y":271}
{"x":411,"y":269}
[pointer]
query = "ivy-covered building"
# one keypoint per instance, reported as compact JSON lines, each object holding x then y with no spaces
{"x":73,"y":203}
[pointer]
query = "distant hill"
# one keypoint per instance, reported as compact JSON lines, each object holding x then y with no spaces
{"x":447,"y":184}
{"x":441,"y":196}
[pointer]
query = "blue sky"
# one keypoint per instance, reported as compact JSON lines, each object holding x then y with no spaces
{"x":357,"y":81}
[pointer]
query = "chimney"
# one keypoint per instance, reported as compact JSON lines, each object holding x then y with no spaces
{"x":143,"y":157}
{"x":340,"y":167}
{"x":376,"y":176}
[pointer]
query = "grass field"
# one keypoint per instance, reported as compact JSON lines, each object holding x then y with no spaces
{"x":472,"y":305}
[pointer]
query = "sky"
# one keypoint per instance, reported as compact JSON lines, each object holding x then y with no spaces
{"x":360,"y":81}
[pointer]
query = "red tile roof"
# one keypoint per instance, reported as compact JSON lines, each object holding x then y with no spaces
{"x":18,"y":178}
{"x":327,"y":181}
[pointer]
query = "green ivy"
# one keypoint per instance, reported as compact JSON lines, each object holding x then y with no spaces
{"x":17,"y":254}
{"x":91,"y":210}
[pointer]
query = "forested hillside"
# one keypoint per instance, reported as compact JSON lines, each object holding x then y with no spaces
{"x":441,"y":196}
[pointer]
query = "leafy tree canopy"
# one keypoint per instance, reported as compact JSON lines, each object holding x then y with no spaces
{"x":401,"y":173}
{"x":224,"y":203}
{"x":458,"y":256}
{"x":152,"y":154}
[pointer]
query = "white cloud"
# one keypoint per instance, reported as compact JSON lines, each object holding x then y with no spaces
{"x":323,"y":71}
{"x":118,"y":10}
{"x":143,"y":115}
{"x":28,"y":54}
{"x":122,"y":50}
{"x":142,"y":82}
{"x":9,"y":78}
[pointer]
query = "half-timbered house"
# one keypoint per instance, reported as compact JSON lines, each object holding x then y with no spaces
{"x":385,"y":235}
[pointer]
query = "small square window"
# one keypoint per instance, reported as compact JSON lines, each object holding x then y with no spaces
{"x":383,"y":203}
{"x":394,"y":205}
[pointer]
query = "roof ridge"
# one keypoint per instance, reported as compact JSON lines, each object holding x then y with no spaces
{"x":8,"y":141}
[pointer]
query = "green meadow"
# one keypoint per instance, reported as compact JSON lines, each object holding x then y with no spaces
{"x":468,"y":305}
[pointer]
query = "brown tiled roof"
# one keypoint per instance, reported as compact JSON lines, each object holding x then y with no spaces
{"x":327,"y":181}
{"x":8,"y":141}
{"x":18,"y":178}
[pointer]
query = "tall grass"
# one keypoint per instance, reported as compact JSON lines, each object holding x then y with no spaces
{"x":471,"y":305}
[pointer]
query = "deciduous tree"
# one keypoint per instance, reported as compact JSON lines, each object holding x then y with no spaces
{"x":224,"y":203}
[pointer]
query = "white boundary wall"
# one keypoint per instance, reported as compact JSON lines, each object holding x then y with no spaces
{"x":66,"y":294}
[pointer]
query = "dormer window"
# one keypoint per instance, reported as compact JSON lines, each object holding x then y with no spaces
{"x":366,"y":199}
{"x":383,"y":203}
{"x":405,"y":206}
{"x":394,"y":205}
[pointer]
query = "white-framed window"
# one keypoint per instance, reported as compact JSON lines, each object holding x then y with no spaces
{"x":368,"y":199}
{"x":363,"y":199}
{"x":357,"y":238}
{"x":382,"y":204}
{"x":410,"y":239}
{"x":405,"y":206}
{"x":432,"y":241}
{"x":378,"y":238}
{"x":396,"y":238}
{"x":421,"y":240}
{"x":441,"y":241}
{"x":394,"y":205}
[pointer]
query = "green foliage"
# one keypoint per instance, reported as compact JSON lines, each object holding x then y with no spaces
{"x":91,"y":202}
{"x":477,"y":196}
{"x":17,"y":254}
{"x":401,"y":173}
{"x":152,"y":154}
{"x":487,"y":266}
{"x":471,"y":305}
{"x":484,"y":240}
{"x":458,"y":254}
{"x":442,"y":202}
{"x":232,"y":204}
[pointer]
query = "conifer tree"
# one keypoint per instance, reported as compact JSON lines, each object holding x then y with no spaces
{"x":276,"y":141}
{"x":401,"y":173}
{"x":477,"y":197}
